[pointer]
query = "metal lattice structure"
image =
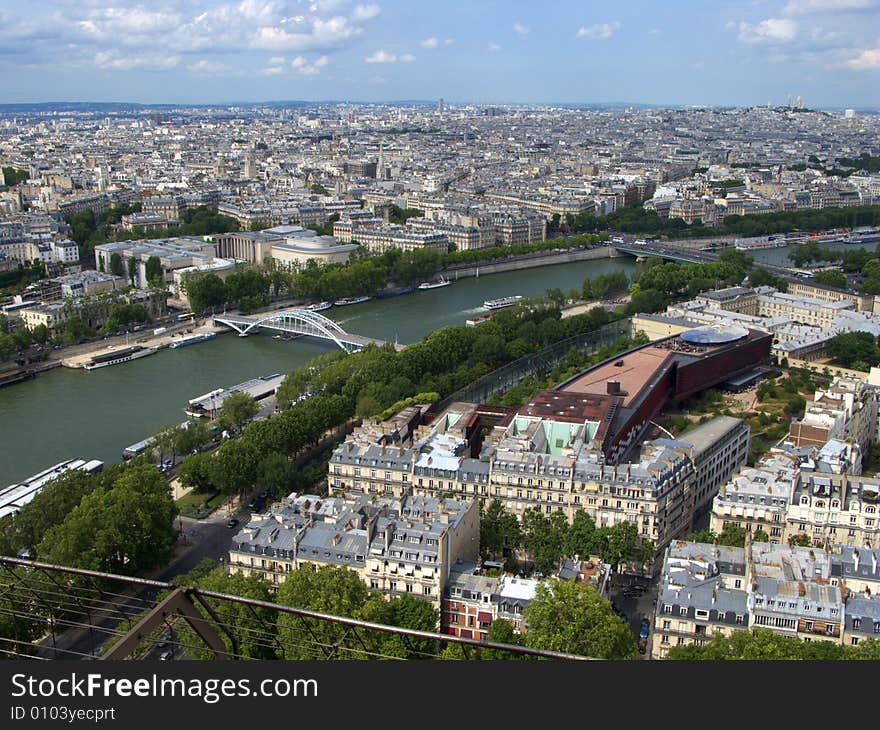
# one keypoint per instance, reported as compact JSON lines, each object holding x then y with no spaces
{"x":54,"y":612}
{"x":298,"y":322}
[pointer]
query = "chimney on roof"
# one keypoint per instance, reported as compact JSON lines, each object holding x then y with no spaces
{"x":856,"y":560}
{"x":389,"y":534}
{"x":336,"y":538}
{"x":612,"y":387}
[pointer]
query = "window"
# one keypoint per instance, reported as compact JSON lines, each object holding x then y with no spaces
{"x":667,"y":608}
{"x":857,"y":622}
{"x":739,"y":618}
{"x":683,"y":610}
{"x":701,"y":613}
{"x":666,"y":624}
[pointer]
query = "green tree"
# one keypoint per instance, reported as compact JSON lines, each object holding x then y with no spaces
{"x":329,"y":589}
{"x":501,"y":632}
{"x":850,"y":348}
{"x":572,"y":617}
{"x":253,"y":626}
{"x":732,"y":536}
{"x":544,"y":538}
{"x":237,"y":410}
{"x":800,"y":540}
{"x":204,"y":291}
{"x":830,"y":278}
{"x":132,"y":271}
{"x":275,"y":474}
{"x":153,"y":270}
{"x":117,"y":268}
{"x":126,"y":528}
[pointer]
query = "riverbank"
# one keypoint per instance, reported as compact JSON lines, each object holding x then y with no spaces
{"x":530,"y":261}
{"x":147,"y":339}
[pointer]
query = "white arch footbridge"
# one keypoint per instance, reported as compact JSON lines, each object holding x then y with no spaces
{"x":298,"y":322}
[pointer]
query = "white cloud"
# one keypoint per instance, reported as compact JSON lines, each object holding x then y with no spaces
{"x":772,"y":30}
{"x":117,"y":61}
{"x":363,"y":13}
{"x":654,"y":31}
{"x":493,"y":46}
{"x":276,"y":60}
{"x":521,"y":30}
{"x":303,"y":66}
{"x":210,"y":67}
{"x":449,"y":41}
{"x":323,"y":35}
{"x":430,"y":43}
{"x":139,"y":34}
{"x":805,"y":7}
{"x":378,"y":80}
{"x":381,"y":56}
{"x":598,"y":31}
{"x":866,"y":60}
{"x":272,"y":71}
{"x":406,"y":57}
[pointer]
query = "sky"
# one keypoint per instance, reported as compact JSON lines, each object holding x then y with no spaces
{"x":676,"y":52}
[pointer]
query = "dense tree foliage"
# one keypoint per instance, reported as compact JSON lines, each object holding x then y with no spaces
{"x":89,"y":230}
{"x":635,"y":219}
{"x":123,"y":528}
{"x":572,"y":617}
{"x":599,"y":287}
{"x":13,"y":176}
{"x":856,"y":350}
{"x":831,"y":277}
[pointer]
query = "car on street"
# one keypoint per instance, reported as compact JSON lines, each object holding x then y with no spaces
{"x":644,"y":628}
{"x":643,"y":644}
{"x":166,"y":655}
{"x":232,"y":523}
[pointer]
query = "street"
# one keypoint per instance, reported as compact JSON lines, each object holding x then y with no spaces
{"x":634,"y":608}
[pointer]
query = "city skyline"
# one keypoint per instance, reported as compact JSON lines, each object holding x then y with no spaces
{"x":203,"y":52}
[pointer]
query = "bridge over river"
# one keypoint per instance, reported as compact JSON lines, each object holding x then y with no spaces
{"x":682,"y":255}
{"x":299,"y":322}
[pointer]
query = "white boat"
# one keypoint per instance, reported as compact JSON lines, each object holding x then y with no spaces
{"x":126,"y":354}
{"x":192,"y":339}
{"x":434,"y":284}
{"x":350,"y":300}
{"x":501,"y":302}
{"x":319,"y":307}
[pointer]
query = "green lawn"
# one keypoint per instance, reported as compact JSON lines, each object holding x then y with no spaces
{"x":198,"y":506}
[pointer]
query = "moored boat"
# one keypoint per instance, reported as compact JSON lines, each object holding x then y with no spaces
{"x":345,"y":301}
{"x":192,"y":339}
{"x":319,"y":307}
{"x":126,"y":354}
{"x":434,"y":284}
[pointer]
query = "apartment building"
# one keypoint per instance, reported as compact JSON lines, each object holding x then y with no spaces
{"x":846,"y":410}
{"x":758,"y":498}
{"x":836,"y":508}
{"x":397,"y":546}
{"x":711,"y":589}
{"x":546,"y":456}
{"x":511,"y":229}
{"x":720,"y":448}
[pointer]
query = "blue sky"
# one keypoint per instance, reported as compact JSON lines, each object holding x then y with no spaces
{"x":648,"y":51}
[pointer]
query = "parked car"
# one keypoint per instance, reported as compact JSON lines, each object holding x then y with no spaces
{"x":643,"y":644}
{"x":232,"y":523}
{"x":644,"y":628}
{"x":166,"y":655}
